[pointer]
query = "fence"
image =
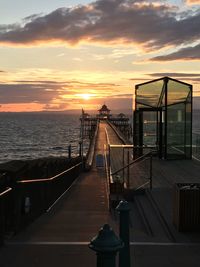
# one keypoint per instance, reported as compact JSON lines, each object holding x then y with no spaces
{"x":28,"y":199}
{"x":124,"y":172}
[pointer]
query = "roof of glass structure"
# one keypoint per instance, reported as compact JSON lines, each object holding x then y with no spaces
{"x":153,"y":93}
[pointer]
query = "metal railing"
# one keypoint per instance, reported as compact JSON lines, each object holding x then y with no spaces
{"x":124,"y":171}
{"x":147,"y":156}
{"x":27,"y":199}
{"x":33,"y":197}
{"x":196,"y":145}
{"x":5,"y":218}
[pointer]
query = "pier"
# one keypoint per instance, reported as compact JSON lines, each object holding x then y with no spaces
{"x":53,"y":219}
{"x":61,"y":235}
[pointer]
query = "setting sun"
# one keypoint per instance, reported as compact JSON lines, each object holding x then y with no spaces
{"x":85,"y":96}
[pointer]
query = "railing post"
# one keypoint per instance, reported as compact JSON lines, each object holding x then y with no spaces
{"x":80,"y":149}
{"x":109,"y":161}
{"x":123,"y":163}
{"x":124,"y":255}
{"x":69,"y":151}
{"x":106,"y":245}
{"x":1,"y":221}
{"x":128,"y":169}
{"x":151,"y":158}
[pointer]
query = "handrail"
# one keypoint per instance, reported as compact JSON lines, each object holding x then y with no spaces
{"x":91,"y":150}
{"x":107,"y":137}
{"x":108,"y":177}
{"x":133,"y":162}
{"x":5,"y":191}
{"x":117,"y":132}
{"x":48,"y":179}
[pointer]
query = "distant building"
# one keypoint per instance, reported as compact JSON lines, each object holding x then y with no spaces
{"x":104,"y":112}
{"x":121,"y":115}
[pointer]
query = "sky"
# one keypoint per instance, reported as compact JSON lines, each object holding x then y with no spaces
{"x":66,"y":55}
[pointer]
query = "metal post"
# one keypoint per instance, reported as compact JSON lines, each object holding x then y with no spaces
{"x":69,"y":151}
{"x":151,"y":171}
{"x":80,"y":149}
{"x":109,"y":161}
{"x":106,"y":245}
{"x":128,"y":169}
{"x":124,"y":255}
{"x":123,"y":163}
{"x":1,"y":222}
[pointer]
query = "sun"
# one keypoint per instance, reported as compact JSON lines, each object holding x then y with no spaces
{"x":85,"y":96}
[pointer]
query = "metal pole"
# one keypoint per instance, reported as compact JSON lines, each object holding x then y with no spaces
{"x":123,"y":164}
{"x":124,"y":255}
{"x":109,"y":161}
{"x":69,"y":151}
{"x":2,"y":226}
{"x":151,"y":158}
{"x":128,"y":169}
{"x":80,"y":149}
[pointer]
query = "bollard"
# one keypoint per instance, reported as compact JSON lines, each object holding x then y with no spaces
{"x":69,"y":151}
{"x":124,"y":255}
{"x":106,"y":245}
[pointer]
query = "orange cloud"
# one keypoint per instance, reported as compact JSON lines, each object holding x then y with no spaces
{"x":21,"y":107}
{"x":192,"y":2}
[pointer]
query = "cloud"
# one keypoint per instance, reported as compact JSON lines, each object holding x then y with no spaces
{"x":175,"y":74}
{"x":151,"y":25}
{"x":28,"y":92}
{"x":187,"y":77}
{"x":52,"y":107}
{"x":54,"y":95}
{"x":188,"y":53}
{"x":192,"y":2}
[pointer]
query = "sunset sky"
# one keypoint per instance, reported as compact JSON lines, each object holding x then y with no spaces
{"x":63,"y":55}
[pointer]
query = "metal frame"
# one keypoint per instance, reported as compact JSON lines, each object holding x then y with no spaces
{"x":163,"y":133}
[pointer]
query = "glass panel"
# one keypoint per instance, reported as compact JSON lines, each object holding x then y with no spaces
{"x":149,"y":94}
{"x":176,"y":131}
{"x":177,"y":92}
{"x":150,"y":128}
{"x":196,"y":145}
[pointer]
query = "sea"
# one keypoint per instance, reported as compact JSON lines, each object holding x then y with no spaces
{"x":34,"y":135}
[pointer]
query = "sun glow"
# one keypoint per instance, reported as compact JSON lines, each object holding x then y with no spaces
{"x":85,"y":96}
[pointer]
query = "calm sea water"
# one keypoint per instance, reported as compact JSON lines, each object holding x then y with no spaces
{"x":34,"y":135}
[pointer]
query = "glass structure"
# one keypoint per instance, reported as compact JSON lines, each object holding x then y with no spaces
{"x":163,"y":118}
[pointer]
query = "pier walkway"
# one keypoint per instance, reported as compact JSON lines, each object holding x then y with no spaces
{"x":61,"y":235}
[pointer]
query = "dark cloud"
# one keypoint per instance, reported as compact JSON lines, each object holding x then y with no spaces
{"x":174,"y":74}
{"x":108,"y":21}
{"x":2,"y":71}
{"x":44,"y":92}
{"x":55,"y":107}
{"x":187,"y":77}
{"x":188,"y":53}
{"x":26,"y":93}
